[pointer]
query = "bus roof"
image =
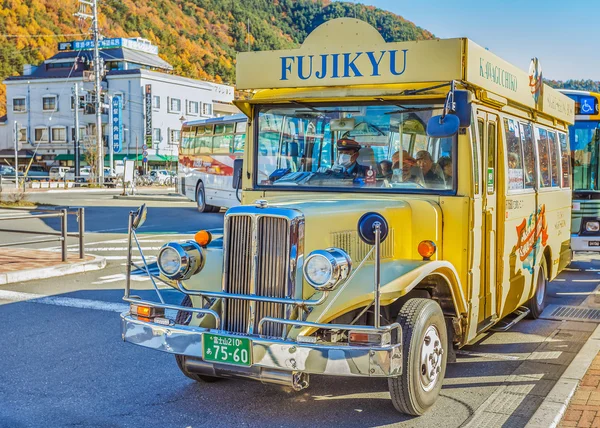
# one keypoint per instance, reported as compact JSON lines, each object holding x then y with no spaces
{"x":240,"y":117}
{"x":347,"y":54}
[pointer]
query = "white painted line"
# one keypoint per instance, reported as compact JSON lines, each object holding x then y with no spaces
{"x":71,"y":302}
{"x":121,"y":277}
{"x":486,"y":355}
{"x":148,"y":258}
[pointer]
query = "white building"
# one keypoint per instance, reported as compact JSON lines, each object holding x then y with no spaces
{"x":41,"y":101}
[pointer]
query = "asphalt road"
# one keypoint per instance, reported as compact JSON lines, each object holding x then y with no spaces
{"x":62,"y":361}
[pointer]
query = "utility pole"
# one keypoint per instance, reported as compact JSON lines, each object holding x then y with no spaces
{"x":76,"y":139}
{"x":16,"y":137}
{"x":84,"y":14}
{"x":98,"y":90}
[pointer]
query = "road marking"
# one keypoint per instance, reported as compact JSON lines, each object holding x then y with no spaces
{"x":486,"y":355}
{"x":148,"y":258}
{"x":71,"y":302}
{"x":121,"y":277}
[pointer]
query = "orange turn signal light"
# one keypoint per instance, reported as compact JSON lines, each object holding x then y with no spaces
{"x":143,"y":311}
{"x":426,"y":249}
{"x":203,"y":237}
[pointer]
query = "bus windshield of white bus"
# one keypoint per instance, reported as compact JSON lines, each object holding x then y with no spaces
{"x":585,"y":137}
{"x":378,"y":146}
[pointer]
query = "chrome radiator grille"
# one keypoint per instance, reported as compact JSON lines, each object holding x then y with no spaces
{"x":260,"y":256}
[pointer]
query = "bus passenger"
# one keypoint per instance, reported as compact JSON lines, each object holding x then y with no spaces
{"x":386,"y":169}
{"x":410,"y":172}
{"x":446,"y":164}
{"x":425,"y":162}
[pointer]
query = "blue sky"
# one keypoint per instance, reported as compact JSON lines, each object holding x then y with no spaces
{"x":564,"y":35}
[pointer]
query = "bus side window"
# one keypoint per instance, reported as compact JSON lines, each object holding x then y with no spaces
{"x":554,"y":158}
{"x":475,"y":155}
{"x":203,"y":144}
{"x":528,"y":155}
{"x":239,"y":141}
{"x":492,"y":156}
{"x":565,"y":157}
{"x":514,"y":153}
{"x":541,"y":136}
{"x":222,"y":144}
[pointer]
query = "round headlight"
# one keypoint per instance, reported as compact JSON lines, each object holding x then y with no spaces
{"x":169,"y":261}
{"x":180,"y":261}
{"x":325,"y":269}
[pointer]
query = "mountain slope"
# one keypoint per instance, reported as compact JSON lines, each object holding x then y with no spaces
{"x":198,"y":37}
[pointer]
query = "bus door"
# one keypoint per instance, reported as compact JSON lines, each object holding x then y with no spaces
{"x":487,"y":124}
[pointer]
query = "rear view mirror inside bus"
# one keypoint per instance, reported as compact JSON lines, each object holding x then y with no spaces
{"x":443,"y":126}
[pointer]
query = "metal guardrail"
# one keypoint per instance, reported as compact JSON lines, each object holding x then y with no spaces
{"x":61,"y":236}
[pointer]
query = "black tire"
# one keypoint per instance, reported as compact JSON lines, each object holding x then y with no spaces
{"x":537,"y":303}
{"x":184,"y":318}
{"x":410,"y":395}
{"x":203,"y":207}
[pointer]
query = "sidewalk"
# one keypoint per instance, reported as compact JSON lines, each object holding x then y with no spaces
{"x":584,"y":408}
{"x":20,"y":264}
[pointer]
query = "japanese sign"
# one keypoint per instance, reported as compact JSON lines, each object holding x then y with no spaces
{"x":148,"y":98}
{"x":117,"y":124}
{"x":136,"y":44}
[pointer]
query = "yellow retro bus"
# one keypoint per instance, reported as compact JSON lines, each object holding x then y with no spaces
{"x":398,"y":200}
{"x":585,"y":151}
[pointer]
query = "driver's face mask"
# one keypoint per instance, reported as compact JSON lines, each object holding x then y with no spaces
{"x":345,"y":160}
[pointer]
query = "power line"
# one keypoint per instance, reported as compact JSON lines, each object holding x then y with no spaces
{"x":23,"y":36}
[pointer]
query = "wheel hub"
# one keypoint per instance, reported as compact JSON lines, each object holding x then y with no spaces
{"x":431,"y":358}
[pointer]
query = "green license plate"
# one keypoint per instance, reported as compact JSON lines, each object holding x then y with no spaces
{"x":228,"y":350}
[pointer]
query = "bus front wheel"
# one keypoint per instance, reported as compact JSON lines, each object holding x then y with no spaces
{"x":203,"y":207}
{"x":537,"y":303}
{"x":424,"y":357}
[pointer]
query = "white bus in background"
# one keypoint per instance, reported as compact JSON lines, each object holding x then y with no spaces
{"x":210,"y":160}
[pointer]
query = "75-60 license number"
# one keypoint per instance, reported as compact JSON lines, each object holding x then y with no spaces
{"x":228,"y":350}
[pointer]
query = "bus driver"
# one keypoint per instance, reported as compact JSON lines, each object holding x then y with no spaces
{"x":347,"y":158}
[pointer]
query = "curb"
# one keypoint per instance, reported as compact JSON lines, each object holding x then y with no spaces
{"x":96,"y":263}
{"x":552,"y":409}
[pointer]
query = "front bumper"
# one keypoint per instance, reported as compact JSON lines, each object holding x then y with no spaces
{"x":582,"y":243}
{"x":335,"y":359}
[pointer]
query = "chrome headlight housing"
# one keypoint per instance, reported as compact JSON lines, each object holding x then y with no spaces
{"x":325,"y":269}
{"x":592,"y":226}
{"x":180,"y":261}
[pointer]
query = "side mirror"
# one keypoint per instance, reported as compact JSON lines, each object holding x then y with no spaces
{"x":443,"y":126}
{"x":462,"y":107}
{"x":366,"y":229}
{"x":139,"y":217}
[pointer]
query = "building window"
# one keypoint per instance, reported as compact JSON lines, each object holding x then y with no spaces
{"x":174,"y":105}
{"x":193,"y":108}
{"x":59,"y":134}
{"x":19,"y":105}
{"x":49,"y":103}
{"x":81,"y":102}
{"x":41,"y":135}
{"x":81,"y":133}
{"x":156,"y":102}
{"x":22,"y":135}
{"x":175,"y":136}
{"x":156,"y":138}
{"x":207,"y":109}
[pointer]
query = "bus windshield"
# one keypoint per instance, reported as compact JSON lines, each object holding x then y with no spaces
{"x":584,"y":147}
{"x":379,"y":146}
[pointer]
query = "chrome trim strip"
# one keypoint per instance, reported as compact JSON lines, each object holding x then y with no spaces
{"x":365,"y":328}
{"x":221,"y":295}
